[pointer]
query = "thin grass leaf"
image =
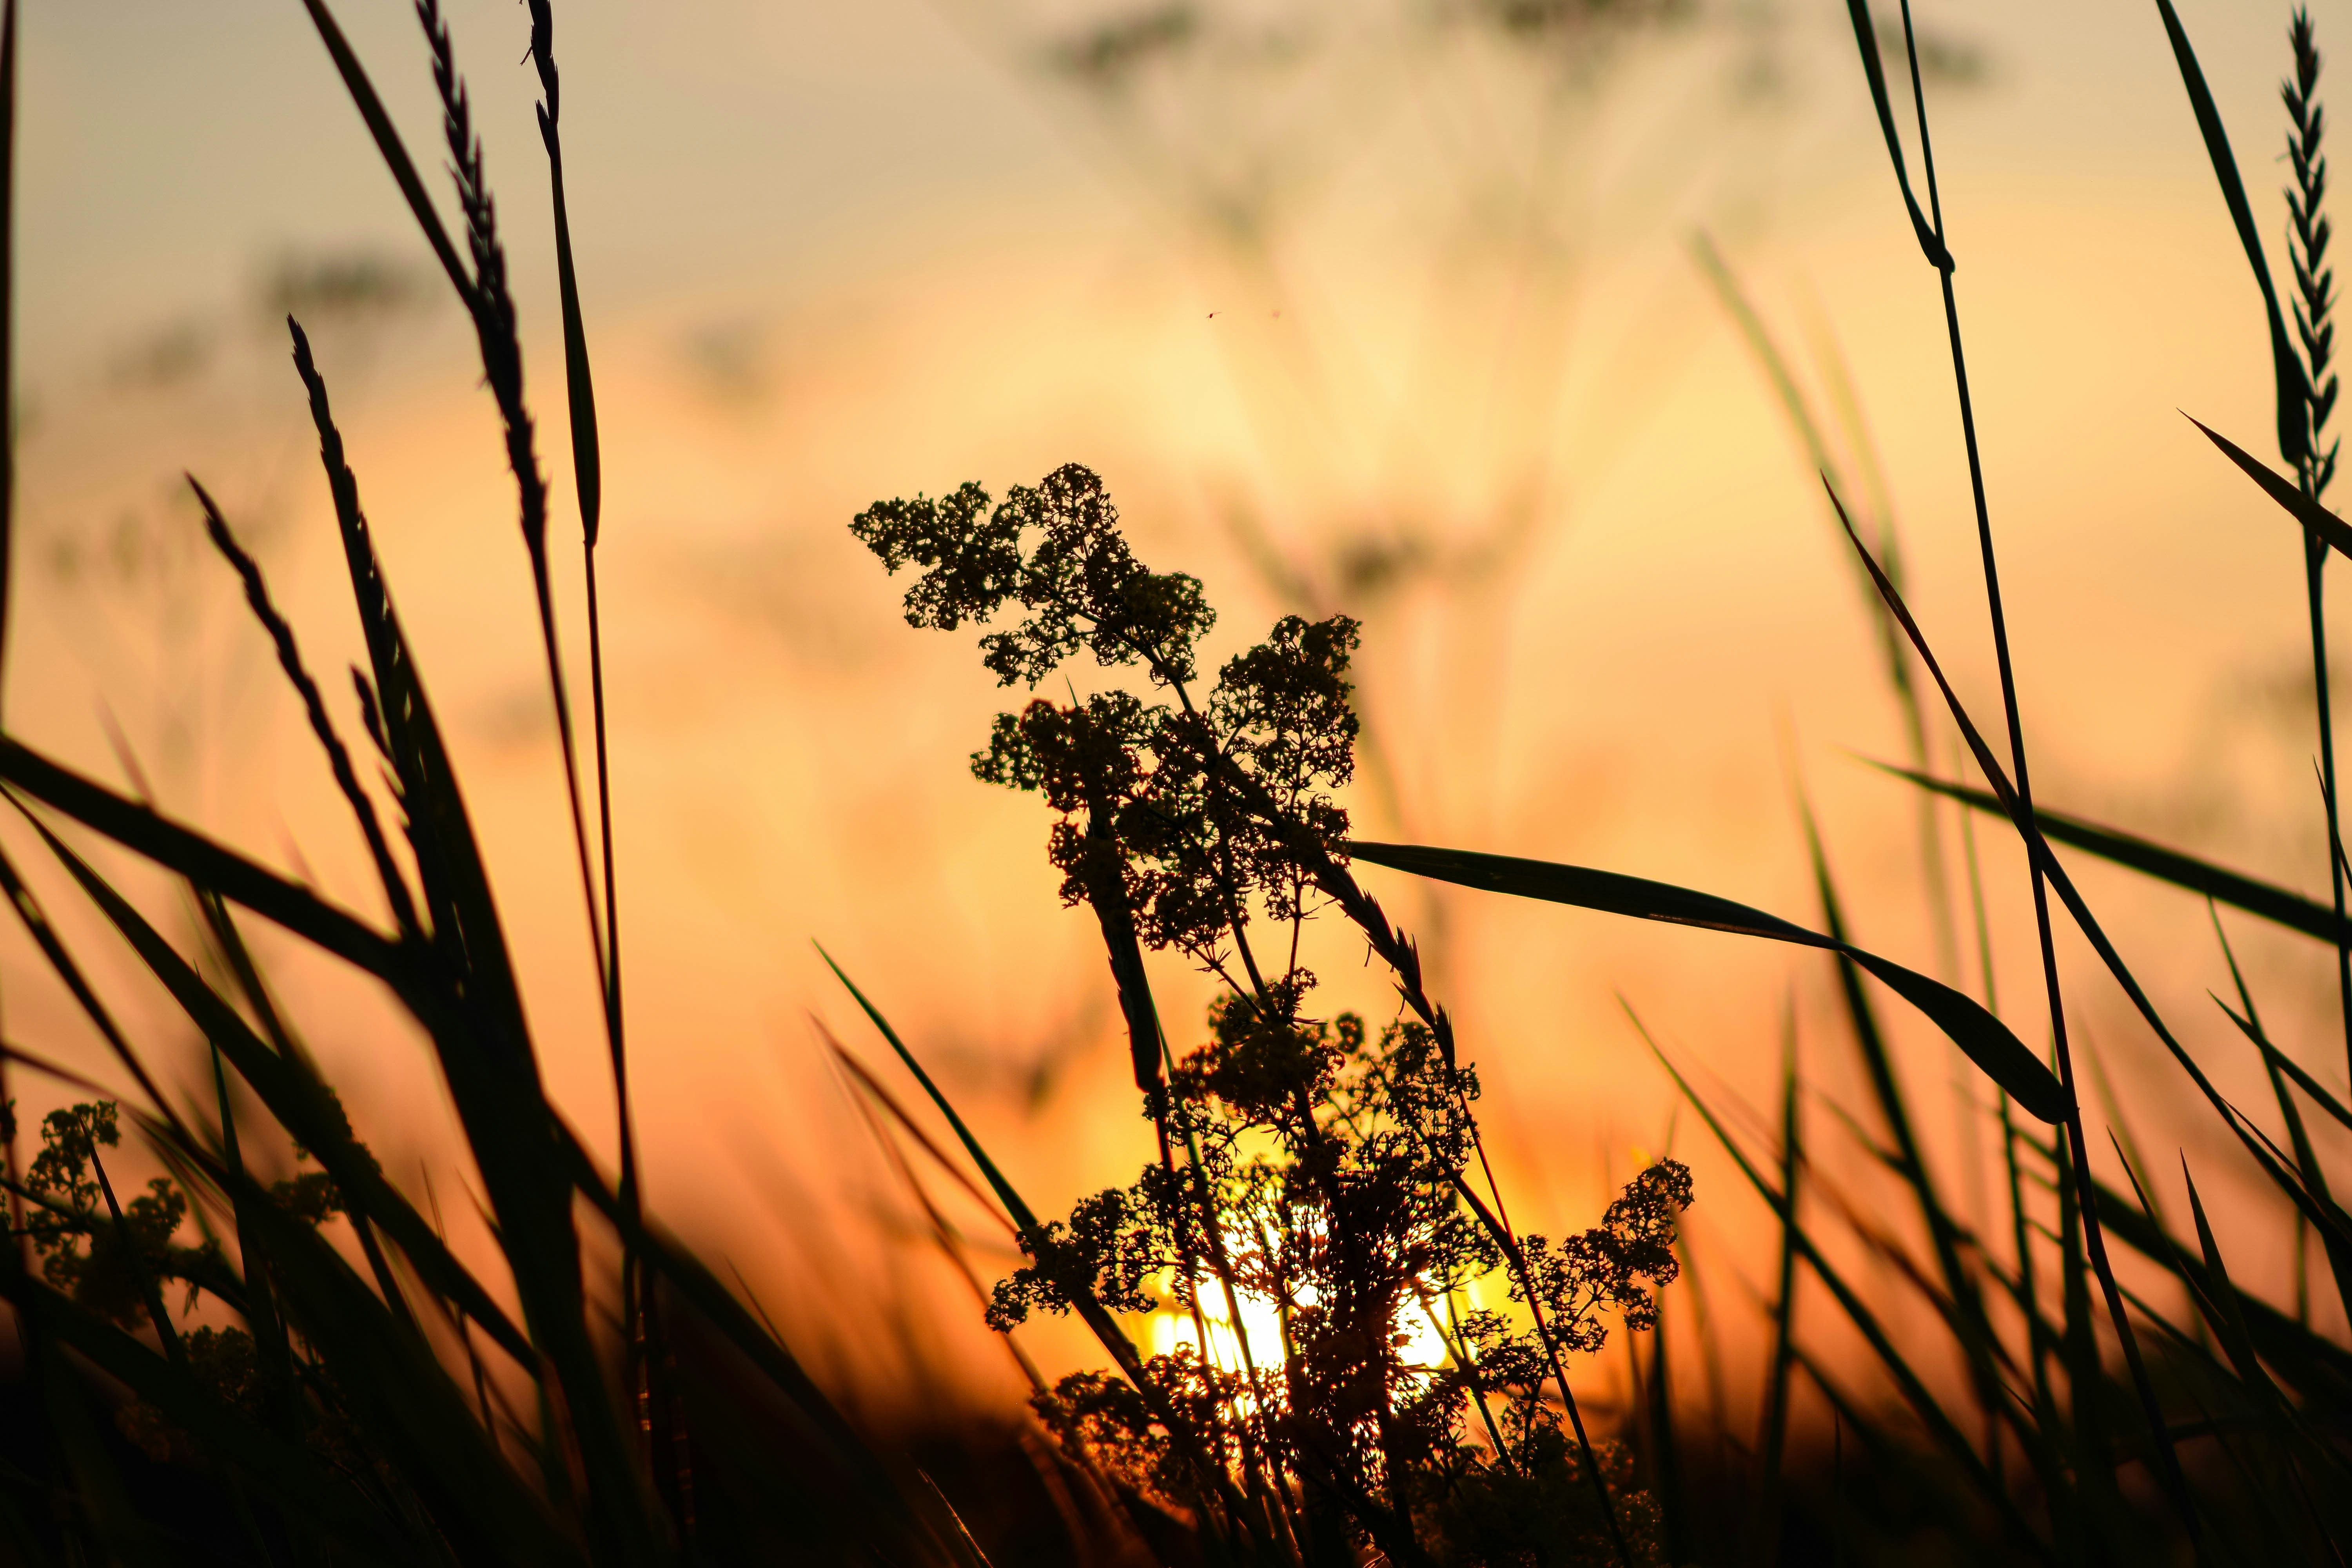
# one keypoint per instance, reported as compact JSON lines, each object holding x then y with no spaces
{"x":314,"y":707}
{"x":2310,"y":1361}
{"x":2304,"y":1449}
{"x":2274,"y":1065}
{"x":303,"y":1105}
{"x":587,"y":463}
{"x":2292,"y":388}
{"x":44,"y":935}
{"x":2280,"y":1061}
{"x":2168,"y":1471}
{"x":478,"y":1030}
{"x":2221,"y":1307}
{"x":2231,"y":888}
{"x":1106,"y":1331}
{"x":1912,"y":1386}
{"x":205,"y":863}
{"x":1960,"y":1300}
{"x":2315,"y":517}
{"x":388,"y":143}
{"x":1865,"y":38}
{"x":1985,"y":1039}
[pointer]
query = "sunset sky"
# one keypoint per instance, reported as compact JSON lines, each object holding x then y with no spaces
{"x":1365,"y":307}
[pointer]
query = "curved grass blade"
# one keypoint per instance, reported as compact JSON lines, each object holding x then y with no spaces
{"x":1914,"y":1388}
{"x":1985,"y":1038}
{"x":304,"y":1106}
{"x":205,"y":863}
{"x":2286,"y":368}
{"x":2231,"y":888}
{"x":1106,"y":1330}
{"x":1873,"y":67}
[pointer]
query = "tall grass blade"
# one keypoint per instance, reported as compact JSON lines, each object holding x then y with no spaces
{"x":388,"y":143}
{"x":314,"y":707}
{"x":2292,"y":387}
{"x":1964,"y":1307}
{"x":1105,"y":1329}
{"x":44,"y":936}
{"x":2234,"y":888}
{"x":1866,"y":39}
{"x":1914,"y":1388}
{"x":205,"y":863}
{"x":1986,"y":1040}
{"x":305,"y":1107}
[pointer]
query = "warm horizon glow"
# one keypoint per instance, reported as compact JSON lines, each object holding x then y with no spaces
{"x":1485,"y":401}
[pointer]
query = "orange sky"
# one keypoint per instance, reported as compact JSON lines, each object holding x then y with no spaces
{"x":831,"y":254}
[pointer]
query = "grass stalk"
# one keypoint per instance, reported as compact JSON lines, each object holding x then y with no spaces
{"x":1764,"y":1532}
{"x":2175,"y":1483}
{"x":2312,"y":306}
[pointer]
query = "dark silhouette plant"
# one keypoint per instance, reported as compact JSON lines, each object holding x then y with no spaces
{"x":1326,"y":1165}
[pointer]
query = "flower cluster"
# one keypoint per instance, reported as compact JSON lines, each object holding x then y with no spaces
{"x":1180,"y":821}
{"x":1316,"y":1170}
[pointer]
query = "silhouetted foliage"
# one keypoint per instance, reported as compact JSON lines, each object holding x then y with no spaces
{"x":1322,"y":1183}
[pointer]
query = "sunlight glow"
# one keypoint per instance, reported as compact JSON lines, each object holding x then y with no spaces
{"x":1425,"y":1343}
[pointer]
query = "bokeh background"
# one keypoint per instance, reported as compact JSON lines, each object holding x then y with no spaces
{"x":1381,"y":306}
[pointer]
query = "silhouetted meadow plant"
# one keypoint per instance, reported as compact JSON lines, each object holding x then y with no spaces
{"x":1310,"y":1165}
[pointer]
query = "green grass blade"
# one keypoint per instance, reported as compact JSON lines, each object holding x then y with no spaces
{"x":2292,"y":388}
{"x":1985,"y":1038}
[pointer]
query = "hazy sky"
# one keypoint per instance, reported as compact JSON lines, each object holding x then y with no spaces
{"x":1330,"y":351}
